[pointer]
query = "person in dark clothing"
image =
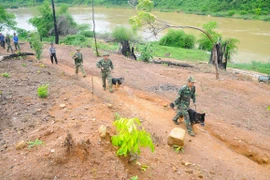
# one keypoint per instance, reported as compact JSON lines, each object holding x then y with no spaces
{"x":53,"y":53}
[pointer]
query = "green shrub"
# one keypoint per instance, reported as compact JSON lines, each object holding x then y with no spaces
{"x":121,"y":33}
{"x":178,"y":38}
{"x":87,"y":33}
{"x":42,"y":91}
{"x":36,"y":44}
{"x":231,"y":13}
{"x":146,"y":52}
{"x":131,"y":136}
{"x":6,"y":75}
{"x":74,"y":40}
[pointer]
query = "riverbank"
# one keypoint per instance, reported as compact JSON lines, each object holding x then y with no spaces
{"x":237,"y":14}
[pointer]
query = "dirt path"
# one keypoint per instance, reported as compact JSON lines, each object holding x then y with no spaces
{"x":237,"y":147}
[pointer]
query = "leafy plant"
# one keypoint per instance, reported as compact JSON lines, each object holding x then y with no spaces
{"x":121,"y":33}
{"x":177,"y":148}
{"x":36,"y":44}
{"x":23,"y":65}
{"x":204,"y":42}
{"x":35,"y":143}
{"x":146,"y":52}
{"x":42,"y":91}
{"x":6,"y":75}
{"x":268,"y":108}
{"x":178,"y":38}
{"x":134,"y":178}
{"x":131,"y":136}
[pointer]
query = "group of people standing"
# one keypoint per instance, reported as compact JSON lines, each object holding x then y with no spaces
{"x":7,"y":40}
{"x":105,"y":65}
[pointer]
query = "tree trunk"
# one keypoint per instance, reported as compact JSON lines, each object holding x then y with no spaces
{"x":10,"y":56}
{"x":55,"y":25}
{"x":94,"y":27}
{"x":126,"y":51}
{"x":169,"y":63}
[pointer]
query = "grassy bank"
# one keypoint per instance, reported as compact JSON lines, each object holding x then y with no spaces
{"x":158,"y":51}
{"x":253,"y":66}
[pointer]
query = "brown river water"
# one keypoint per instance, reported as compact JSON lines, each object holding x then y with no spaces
{"x":254,"y":36}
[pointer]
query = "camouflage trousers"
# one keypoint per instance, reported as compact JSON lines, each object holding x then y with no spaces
{"x":9,"y":47}
{"x":183,"y":111}
{"x":104,"y":76}
{"x":77,"y":66}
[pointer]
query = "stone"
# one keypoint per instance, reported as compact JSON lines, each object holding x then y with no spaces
{"x":109,"y":106}
{"x":102,"y":131}
{"x":86,"y":108}
{"x":265,"y":160}
{"x":176,"y":137}
{"x":62,"y":106}
{"x":20,"y":145}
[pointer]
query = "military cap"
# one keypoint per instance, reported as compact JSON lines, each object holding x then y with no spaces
{"x":77,"y":49}
{"x":191,"y":79}
{"x":106,"y":54}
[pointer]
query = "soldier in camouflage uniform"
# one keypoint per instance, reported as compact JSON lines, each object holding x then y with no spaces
{"x":106,"y":67}
{"x":182,"y":103}
{"x":78,"y":58}
{"x":8,"y":43}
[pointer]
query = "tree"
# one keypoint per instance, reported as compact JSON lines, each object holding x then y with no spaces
{"x":55,"y":25}
{"x":94,"y":27}
{"x":7,"y":20}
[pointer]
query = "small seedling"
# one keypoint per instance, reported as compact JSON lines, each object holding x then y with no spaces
{"x":177,"y":148}
{"x":43,"y":91}
{"x":165,"y":64}
{"x":42,"y":65}
{"x":38,"y":71}
{"x":6,"y":75}
{"x":134,"y":178}
{"x":268,"y":108}
{"x":32,"y":144}
{"x":23,"y":65}
{"x":143,"y":167}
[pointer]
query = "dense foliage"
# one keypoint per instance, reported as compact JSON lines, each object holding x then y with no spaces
{"x":44,"y":22}
{"x":178,"y":38}
{"x":218,"y":7}
{"x":36,"y":44}
{"x":121,"y":33}
{"x":7,"y":20}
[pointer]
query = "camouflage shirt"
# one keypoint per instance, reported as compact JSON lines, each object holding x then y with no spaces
{"x":105,"y":64}
{"x":78,"y":58}
{"x":8,"y":40}
{"x":184,"y":96}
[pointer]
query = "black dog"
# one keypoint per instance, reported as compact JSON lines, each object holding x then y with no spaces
{"x":195,"y":118}
{"x":118,"y":81}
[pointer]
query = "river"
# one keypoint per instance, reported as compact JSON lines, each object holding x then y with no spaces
{"x":254,"y":36}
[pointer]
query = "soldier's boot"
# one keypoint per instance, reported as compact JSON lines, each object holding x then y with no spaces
{"x":190,"y":130}
{"x":175,"y":120}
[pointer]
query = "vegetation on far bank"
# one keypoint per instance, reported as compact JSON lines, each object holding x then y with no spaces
{"x":243,"y":9}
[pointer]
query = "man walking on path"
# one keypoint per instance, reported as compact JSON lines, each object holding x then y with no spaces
{"x":7,"y":40}
{"x":78,"y":58}
{"x":53,"y":53}
{"x":106,"y":67}
{"x":2,"y":40}
{"x":182,"y":103}
{"x":16,"y":42}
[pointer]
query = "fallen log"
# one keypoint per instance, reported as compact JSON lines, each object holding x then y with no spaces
{"x":169,"y":63}
{"x":10,"y":56}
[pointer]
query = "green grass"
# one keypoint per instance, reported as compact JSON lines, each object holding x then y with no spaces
{"x":180,"y":53}
{"x":254,"y":66}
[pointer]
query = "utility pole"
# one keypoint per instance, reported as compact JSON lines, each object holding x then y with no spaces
{"x":55,"y":25}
